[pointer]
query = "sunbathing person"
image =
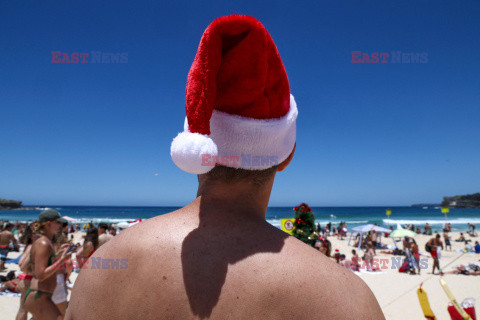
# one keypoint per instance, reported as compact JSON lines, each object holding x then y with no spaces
{"x":461,"y":239}
{"x":471,"y":269}
{"x":9,"y":282}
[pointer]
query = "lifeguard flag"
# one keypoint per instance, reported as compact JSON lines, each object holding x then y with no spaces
{"x":287,"y":225}
{"x":445,"y":210}
{"x":389,"y":212}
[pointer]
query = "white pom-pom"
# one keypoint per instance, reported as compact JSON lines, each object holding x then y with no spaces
{"x":190,"y":150}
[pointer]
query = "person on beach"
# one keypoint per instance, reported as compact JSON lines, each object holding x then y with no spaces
{"x":103,"y":236}
{"x":355,"y":261}
{"x":90,"y":245}
{"x":406,"y":244}
{"x":45,"y":264}
{"x":435,"y":243}
{"x":28,"y":238}
{"x":471,"y":269}
{"x":369,"y":255}
{"x":477,"y":247}
{"x":217,"y":257}
{"x":415,"y":252}
{"x":59,"y":296}
{"x":446,"y":238}
{"x":461,"y":238}
{"x":5,"y":237}
{"x":324,"y":246}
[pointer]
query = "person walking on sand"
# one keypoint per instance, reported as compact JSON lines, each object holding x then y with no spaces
{"x":217,"y":257}
{"x":446,"y":238}
{"x":435,"y":244}
{"x":45,"y":264}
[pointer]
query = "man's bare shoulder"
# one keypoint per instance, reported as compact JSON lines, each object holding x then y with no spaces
{"x":125,"y":266}
{"x":323,"y":287}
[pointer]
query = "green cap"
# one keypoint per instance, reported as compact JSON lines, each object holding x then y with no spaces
{"x":50,"y":215}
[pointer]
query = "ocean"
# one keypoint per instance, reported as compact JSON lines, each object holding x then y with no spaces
{"x":353,"y":216}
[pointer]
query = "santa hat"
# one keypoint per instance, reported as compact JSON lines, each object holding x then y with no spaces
{"x":239,"y":109}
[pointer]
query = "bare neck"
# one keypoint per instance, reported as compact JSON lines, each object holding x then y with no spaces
{"x":243,"y":198}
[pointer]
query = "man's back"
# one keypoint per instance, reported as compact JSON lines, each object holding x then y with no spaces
{"x":217,"y":257}
{"x":5,"y":237}
{"x":221,"y":268}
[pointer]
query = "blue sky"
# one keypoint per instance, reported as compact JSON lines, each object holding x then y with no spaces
{"x":368,"y":133}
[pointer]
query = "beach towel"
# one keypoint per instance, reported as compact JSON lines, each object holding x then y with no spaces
{"x":10,"y":294}
{"x":14,"y":260}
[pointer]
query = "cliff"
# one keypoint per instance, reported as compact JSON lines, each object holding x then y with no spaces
{"x":466,"y":201}
{"x":9,"y":204}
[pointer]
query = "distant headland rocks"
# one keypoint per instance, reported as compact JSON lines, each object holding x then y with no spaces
{"x":469,"y":201}
{"x":6,"y":204}
{"x":465,"y":201}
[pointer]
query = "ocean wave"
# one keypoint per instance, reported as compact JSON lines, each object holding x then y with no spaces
{"x":431,"y":222}
{"x":278,"y":222}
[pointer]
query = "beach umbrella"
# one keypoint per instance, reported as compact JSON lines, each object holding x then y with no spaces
{"x":402,"y":233}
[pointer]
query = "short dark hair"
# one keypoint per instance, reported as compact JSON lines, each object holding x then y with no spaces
{"x":233,"y":175}
{"x":103,"y":225}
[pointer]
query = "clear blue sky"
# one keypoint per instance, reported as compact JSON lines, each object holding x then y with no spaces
{"x":368,"y":134}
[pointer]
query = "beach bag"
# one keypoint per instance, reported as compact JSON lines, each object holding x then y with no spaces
{"x":404,"y":267}
{"x":428,"y":247}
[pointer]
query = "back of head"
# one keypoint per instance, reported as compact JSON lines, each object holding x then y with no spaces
{"x":92,"y":236}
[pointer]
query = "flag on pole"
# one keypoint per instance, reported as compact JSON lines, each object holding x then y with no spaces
{"x":287,"y":225}
{"x":445,"y":210}
{"x":389,"y":212}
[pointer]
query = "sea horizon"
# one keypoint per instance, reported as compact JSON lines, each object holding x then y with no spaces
{"x":352,"y":215}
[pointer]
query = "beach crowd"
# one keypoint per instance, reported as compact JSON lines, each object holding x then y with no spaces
{"x":46,"y":262}
{"x":50,"y":255}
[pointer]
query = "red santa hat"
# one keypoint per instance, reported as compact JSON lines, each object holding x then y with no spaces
{"x":239,"y":109}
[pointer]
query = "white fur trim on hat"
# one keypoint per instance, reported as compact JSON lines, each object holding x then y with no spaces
{"x":237,"y":142}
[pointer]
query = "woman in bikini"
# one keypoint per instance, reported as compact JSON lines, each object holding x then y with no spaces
{"x":28,"y":238}
{"x":45,"y":265}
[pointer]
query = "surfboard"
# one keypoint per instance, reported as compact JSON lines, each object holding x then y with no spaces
{"x":422,"y":297}
{"x":453,"y":300}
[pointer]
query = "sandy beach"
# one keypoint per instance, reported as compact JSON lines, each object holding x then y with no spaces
{"x":396,"y":292}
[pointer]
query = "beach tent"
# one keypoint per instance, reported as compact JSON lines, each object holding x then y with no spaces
{"x":364,"y":229}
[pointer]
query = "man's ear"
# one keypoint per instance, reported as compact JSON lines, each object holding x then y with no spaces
{"x":285,"y":162}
